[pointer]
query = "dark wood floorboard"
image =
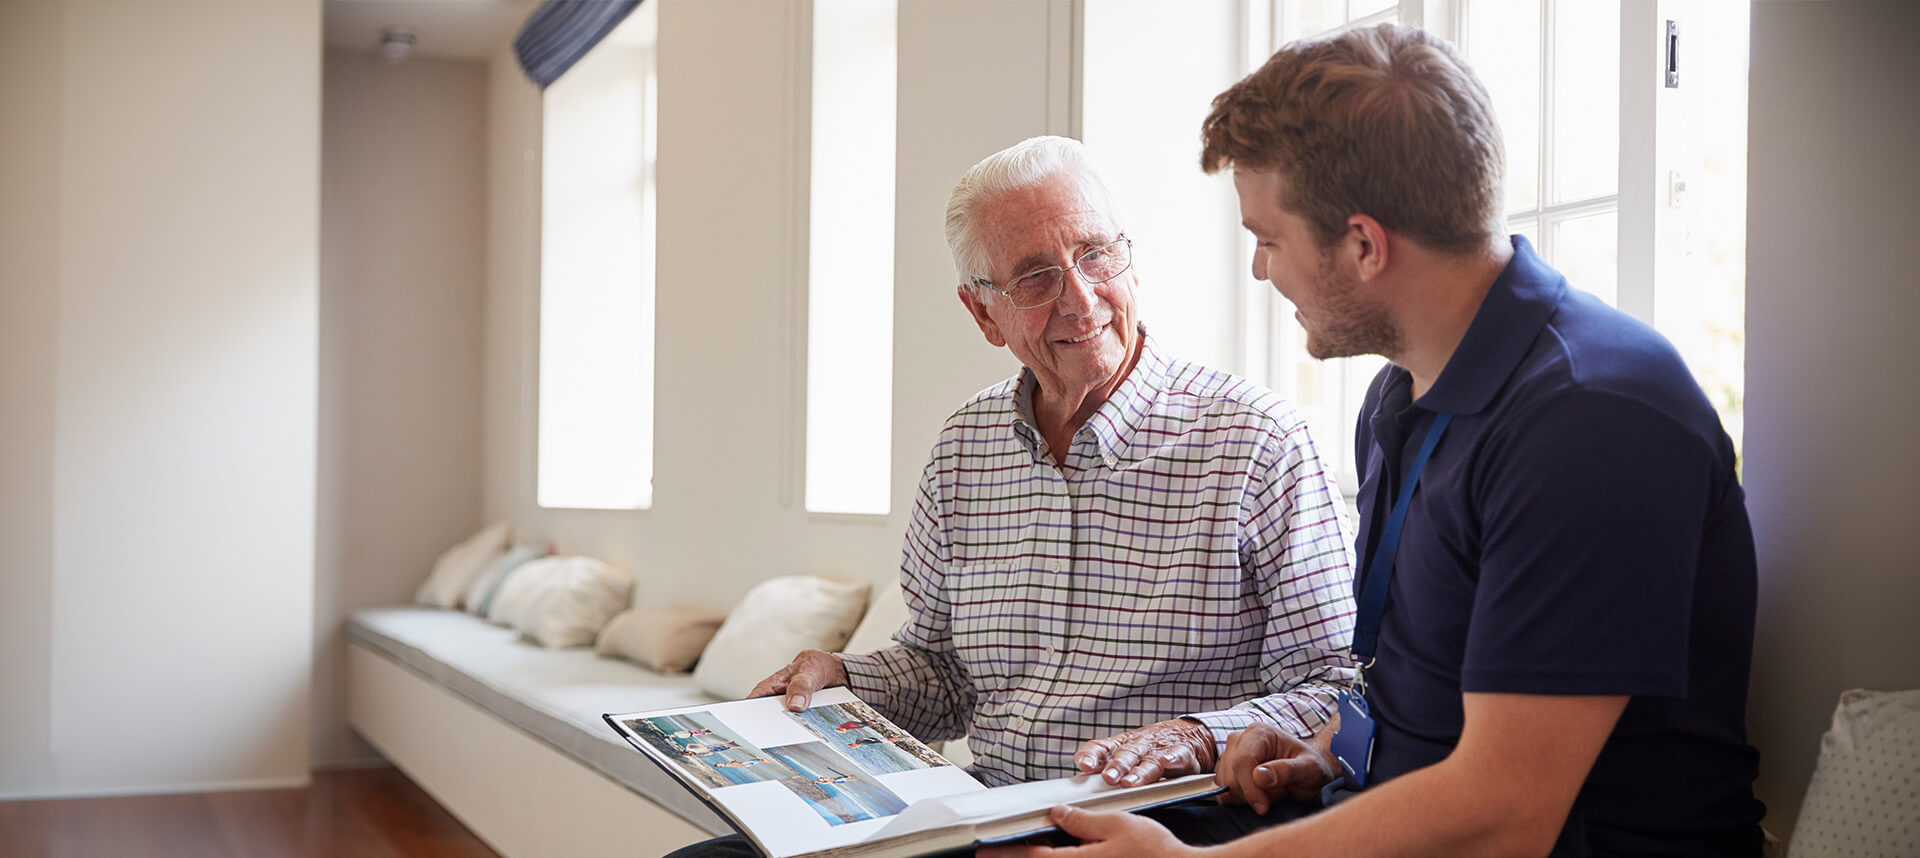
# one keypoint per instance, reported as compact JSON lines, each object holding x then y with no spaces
{"x":362,"y":813}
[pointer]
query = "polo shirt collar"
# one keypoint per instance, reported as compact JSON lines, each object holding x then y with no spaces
{"x":1510,"y":318}
{"x":1113,"y":424}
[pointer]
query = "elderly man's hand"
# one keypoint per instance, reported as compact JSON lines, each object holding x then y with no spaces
{"x":1166,"y":749}
{"x":1261,"y":763}
{"x":809,"y":671}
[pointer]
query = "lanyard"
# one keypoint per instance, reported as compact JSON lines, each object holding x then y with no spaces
{"x":1373,"y":590}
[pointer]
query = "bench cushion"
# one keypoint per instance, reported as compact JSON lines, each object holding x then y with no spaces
{"x":556,"y":696}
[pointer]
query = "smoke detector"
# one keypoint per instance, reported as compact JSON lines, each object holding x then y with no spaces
{"x":395,"y":44}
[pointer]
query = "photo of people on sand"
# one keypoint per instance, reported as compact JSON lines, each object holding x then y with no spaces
{"x":700,"y":744}
{"x":857,"y":731}
{"x":835,"y":789}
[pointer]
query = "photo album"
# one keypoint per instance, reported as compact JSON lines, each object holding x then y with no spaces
{"x":840,"y":780}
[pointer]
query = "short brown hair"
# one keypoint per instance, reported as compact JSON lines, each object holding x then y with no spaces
{"x":1385,"y":121}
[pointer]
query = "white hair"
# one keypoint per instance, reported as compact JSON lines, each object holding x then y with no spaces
{"x":1023,"y":165}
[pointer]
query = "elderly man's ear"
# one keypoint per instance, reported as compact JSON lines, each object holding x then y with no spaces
{"x":979,"y":310}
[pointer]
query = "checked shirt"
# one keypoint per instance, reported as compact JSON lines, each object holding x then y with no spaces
{"x":1188,"y":559}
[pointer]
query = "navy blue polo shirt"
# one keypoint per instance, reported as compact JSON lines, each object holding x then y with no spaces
{"x":1579,"y":530}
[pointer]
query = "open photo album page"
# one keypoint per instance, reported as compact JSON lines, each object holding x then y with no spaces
{"x":800,"y":781}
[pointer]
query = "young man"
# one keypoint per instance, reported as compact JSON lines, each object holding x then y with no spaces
{"x":1558,"y":623}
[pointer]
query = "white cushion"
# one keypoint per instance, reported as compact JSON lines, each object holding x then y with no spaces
{"x":886,"y":613}
{"x":775,"y":621}
{"x":480,"y":593}
{"x":573,"y":597}
{"x":1862,"y":799}
{"x":668,"y":640}
{"x":517,"y":592}
{"x":459,"y":565}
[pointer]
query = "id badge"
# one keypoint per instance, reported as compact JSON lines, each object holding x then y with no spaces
{"x":1353,"y":742}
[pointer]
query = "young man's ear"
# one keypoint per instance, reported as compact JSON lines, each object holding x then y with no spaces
{"x":979,"y":310}
{"x":1368,"y":245}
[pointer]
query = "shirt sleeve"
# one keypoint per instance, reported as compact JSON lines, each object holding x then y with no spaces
{"x":1592,"y":524}
{"x":919,"y":683}
{"x":1296,"y":549}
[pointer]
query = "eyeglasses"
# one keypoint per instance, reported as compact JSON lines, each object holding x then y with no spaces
{"x":1040,"y":288}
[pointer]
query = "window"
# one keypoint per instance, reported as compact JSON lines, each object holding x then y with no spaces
{"x":596,"y":277}
{"x":1553,"y":69}
{"x":850,"y":258}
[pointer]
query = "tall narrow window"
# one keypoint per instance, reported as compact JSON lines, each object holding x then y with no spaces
{"x":596,"y":277}
{"x":850,"y":258}
{"x":1553,"y":69}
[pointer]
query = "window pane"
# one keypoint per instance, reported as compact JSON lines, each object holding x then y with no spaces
{"x":1586,"y":250}
{"x":1529,"y":227}
{"x":850,"y":263}
{"x":1363,"y":8}
{"x":1586,"y":98}
{"x":1503,"y":46}
{"x":596,"y":285}
{"x":1704,"y":310}
{"x":1302,"y":18}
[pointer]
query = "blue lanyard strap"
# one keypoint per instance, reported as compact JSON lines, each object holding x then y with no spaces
{"x":1373,"y":590}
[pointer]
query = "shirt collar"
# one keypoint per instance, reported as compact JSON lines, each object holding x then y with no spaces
{"x":1509,"y":320}
{"x":1114,"y":422}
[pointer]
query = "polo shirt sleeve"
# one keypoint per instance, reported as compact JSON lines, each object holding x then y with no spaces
{"x":919,"y":683}
{"x":1591,"y":508}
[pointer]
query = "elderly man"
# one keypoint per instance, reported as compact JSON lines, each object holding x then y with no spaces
{"x":1110,"y":539}
{"x":1558,"y":622}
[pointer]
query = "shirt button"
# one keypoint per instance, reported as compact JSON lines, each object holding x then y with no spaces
{"x":1052,"y":650}
{"x":1055,"y":565}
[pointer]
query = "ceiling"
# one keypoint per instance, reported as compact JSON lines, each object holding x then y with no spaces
{"x":447,"y":29}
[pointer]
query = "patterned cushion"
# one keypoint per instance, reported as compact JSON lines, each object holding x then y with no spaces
{"x":1864,"y":799}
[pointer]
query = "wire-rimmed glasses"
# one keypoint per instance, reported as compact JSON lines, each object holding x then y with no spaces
{"x":1042,"y":287}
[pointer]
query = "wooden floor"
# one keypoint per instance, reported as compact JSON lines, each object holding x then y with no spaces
{"x":362,"y":813}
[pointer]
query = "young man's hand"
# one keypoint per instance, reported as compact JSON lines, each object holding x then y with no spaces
{"x":1103,"y":834}
{"x":1261,"y":763}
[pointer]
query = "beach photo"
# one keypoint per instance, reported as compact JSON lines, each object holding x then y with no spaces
{"x":857,"y":731}
{"x":704,"y":747}
{"x":834,"y":788}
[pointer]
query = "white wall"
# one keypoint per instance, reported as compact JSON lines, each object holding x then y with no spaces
{"x":402,"y":274}
{"x":170,"y":545}
{"x":31,"y":73}
{"x":1831,"y":467}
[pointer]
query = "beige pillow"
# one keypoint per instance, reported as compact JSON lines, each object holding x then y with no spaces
{"x":459,"y":565}
{"x":886,"y":613}
{"x":775,"y":621}
{"x":668,"y":640}
{"x":573,"y":598}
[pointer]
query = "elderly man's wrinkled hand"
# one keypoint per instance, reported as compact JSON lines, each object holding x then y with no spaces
{"x":809,"y":672}
{"x":1261,"y":763}
{"x":1166,"y":749}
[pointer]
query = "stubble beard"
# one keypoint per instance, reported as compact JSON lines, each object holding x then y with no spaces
{"x":1350,"y":324}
